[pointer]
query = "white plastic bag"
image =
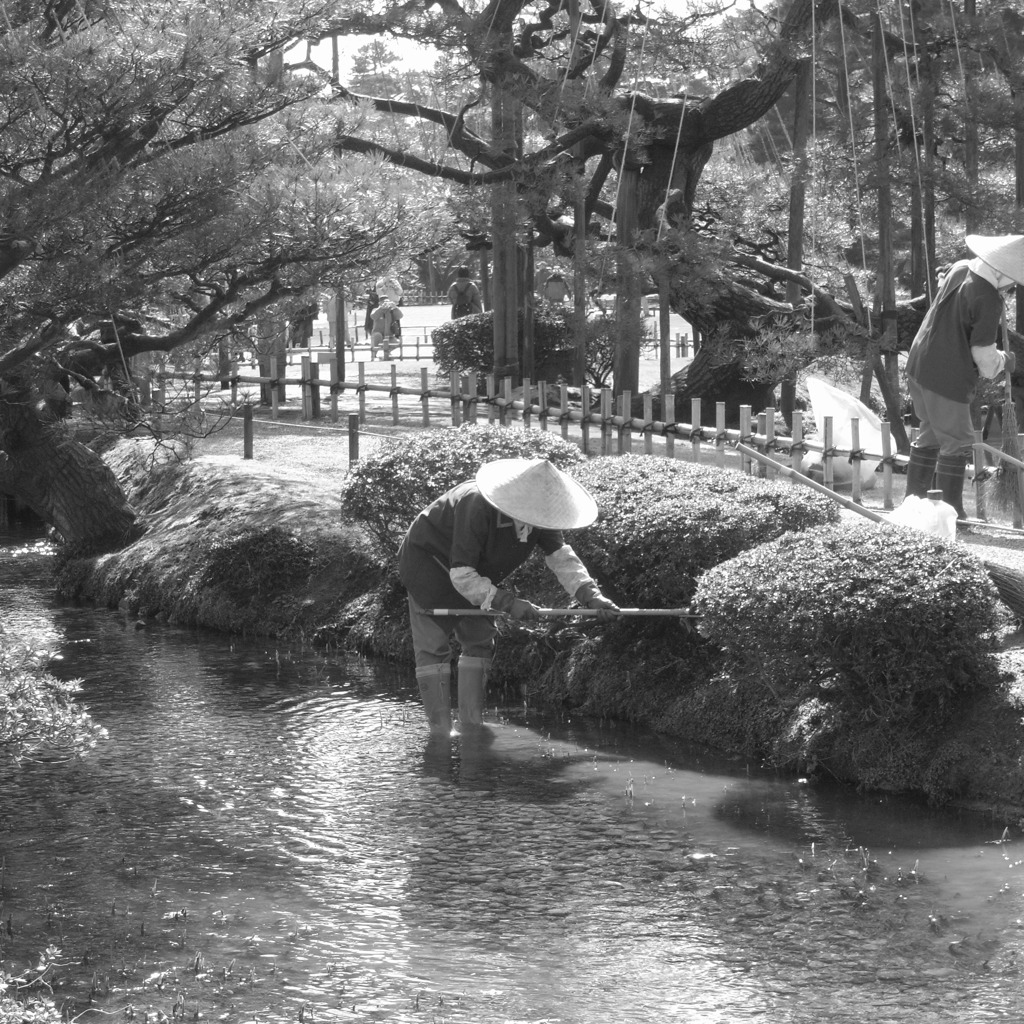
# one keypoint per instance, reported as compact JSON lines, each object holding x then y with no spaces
{"x":843,"y":408}
{"x":935,"y":517}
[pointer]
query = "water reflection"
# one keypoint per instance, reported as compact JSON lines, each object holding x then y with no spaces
{"x":269,"y":834}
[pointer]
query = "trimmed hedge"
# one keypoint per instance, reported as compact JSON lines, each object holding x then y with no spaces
{"x":468,"y":343}
{"x":854,"y":647}
{"x":385,"y":491}
{"x":664,"y":522}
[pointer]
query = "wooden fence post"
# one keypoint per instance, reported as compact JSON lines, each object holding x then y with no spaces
{"x":746,"y":463}
{"x":455,"y":398}
{"x":394,"y":395}
{"x":668,"y":410}
{"x":769,"y":438}
{"x":247,"y":431}
{"x":761,"y":431}
{"x":855,"y":460}
{"x":626,"y":427}
{"x":563,"y":410}
{"x":425,"y":394}
{"x":720,"y":432}
{"x":314,"y":389}
{"x":585,"y":421}
{"x":827,"y":469}
{"x":506,"y":396}
{"x":796,"y":454}
{"x":527,"y":402}
{"x":362,"y":392}
{"x":492,"y":398}
{"x":275,"y":389}
{"x":472,"y":398}
{"x":648,"y":429}
{"x":304,"y":388}
{"x":332,"y":364}
{"x":542,"y":405}
{"x":695,"y":423}
{"x":606,"y":415}
{"x":887,"y":463}
{"x":353,"y":437}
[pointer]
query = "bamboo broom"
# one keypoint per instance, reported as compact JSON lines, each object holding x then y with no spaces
{"x":1008,"y":582}
{"x":1009,"y":484}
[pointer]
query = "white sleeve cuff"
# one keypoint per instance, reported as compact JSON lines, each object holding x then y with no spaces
{"x":476,"y":589}
{"x":988,"y":359}
{"x":571,"y":572}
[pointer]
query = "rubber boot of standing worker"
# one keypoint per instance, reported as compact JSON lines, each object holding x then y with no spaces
{"x":949,"y":478}
{"x":920,"y":470}
{"x":473,"y":674}
{"x":434,"y":683}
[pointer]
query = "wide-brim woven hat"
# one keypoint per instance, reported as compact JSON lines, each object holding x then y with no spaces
{"x":1004,"y":253}
{"x":536,"y":492}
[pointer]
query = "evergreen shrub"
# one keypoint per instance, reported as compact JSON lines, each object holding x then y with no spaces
{"x":664,"y":522}
{"x":468,"y":343}
{"x":854,"y":624}
{"x":387,"y":489}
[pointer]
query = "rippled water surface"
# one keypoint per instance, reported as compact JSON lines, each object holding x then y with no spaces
{"x":266,"y":835}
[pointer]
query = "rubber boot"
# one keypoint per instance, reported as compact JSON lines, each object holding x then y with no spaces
{"x":435,"y":686}
{"x":921,"y":470}
{"x":949,"y":478}
{"x":472,"y":689}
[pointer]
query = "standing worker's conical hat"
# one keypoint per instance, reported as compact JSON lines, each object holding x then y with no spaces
{"x":536,"y":492}
{"x":1004,"y":253}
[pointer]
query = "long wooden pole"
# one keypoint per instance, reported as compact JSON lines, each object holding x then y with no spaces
{"x":792,"y":474}
{"x":551,"y":613}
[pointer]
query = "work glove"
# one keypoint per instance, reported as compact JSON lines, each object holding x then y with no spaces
{"x":515,"y":607}
{"x":590,"y":597}
{"x":1009,"y":362}
{"x":606,"y":610}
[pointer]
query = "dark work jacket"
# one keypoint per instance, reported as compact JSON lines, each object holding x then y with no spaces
{"x":462,"y":528}
{"x":966,"y":311}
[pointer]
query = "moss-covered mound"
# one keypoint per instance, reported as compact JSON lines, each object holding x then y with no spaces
{"x":227,"y":546}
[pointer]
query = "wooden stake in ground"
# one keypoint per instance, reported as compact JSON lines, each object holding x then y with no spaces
{"x":1009,"y":488}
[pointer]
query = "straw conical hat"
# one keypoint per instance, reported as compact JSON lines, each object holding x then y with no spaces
{"x":536,"y":492}
{"x":1004,"y":253}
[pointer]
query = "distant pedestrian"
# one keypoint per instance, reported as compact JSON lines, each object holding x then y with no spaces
{"x":386,"y":324}
{"x":372,"y":302}
{"x":464,"y":295}
{"x":300,"y":327}
{"x":555,"y":290}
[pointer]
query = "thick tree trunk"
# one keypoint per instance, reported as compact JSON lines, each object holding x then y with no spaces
{"x":64,"y":482}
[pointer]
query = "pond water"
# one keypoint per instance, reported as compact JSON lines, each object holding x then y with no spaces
{"x":267,"y":835}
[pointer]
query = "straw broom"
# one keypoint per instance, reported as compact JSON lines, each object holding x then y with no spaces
{"x":1008,"y":492}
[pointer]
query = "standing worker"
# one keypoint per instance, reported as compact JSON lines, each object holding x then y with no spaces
{"x":460,"y":548}
{"x":955,"y":344}
{"x":464,"y":295}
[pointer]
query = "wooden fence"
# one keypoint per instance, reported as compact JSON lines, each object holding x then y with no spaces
{"x":597,"y":421}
